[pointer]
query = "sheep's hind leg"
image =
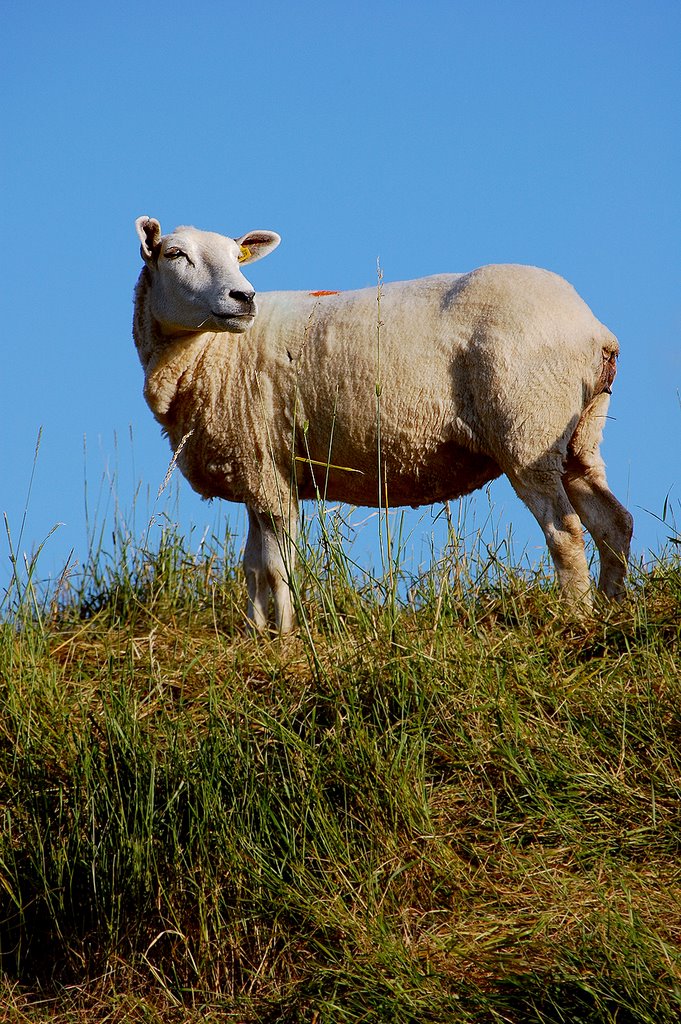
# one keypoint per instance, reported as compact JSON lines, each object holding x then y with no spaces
{"x":543,"y":493}
{"x":608,"y":522}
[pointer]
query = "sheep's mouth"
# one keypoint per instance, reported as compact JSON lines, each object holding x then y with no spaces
{"x":233,"y":321}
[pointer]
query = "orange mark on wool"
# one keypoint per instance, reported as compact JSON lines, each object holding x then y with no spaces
{"x":315,"y":294}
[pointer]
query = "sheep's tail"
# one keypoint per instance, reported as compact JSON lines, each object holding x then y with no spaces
{"x":585,"y":441}
{"x":610,"y":349}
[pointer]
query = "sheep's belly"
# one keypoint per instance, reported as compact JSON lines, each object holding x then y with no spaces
{"x":449,"y":472}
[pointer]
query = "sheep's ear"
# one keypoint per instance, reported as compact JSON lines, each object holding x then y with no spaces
{"x":149,"y":233}
{"x":257,"y":244}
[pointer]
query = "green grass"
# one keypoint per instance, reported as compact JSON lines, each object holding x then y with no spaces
{"x":436,"y":802}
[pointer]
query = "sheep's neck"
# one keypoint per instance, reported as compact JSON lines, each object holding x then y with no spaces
{"x":170,"y":365}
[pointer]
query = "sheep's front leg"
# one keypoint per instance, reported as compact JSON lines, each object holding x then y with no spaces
{"x":256,"y":580}
{"x":269,"y":561}
{"x":279,"y":550}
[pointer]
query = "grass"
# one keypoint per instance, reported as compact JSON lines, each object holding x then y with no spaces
{"x":450,"y":805}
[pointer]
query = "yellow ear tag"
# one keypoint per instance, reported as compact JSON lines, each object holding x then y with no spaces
{"x":244,"y":253}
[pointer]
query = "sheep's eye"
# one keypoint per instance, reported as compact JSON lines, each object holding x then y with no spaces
{"x":172,"y":253}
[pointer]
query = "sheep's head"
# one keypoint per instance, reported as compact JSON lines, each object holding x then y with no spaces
{"x":196,"y":278}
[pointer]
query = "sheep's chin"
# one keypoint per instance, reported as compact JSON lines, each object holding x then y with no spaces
{"x":232,"y":325}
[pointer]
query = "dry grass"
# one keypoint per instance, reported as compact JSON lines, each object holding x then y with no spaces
{"x":461,"y":807}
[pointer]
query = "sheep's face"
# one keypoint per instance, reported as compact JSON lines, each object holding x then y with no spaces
{"x":197,"y":283}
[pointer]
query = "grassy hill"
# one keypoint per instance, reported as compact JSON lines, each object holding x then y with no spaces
{"x":436,"y":802}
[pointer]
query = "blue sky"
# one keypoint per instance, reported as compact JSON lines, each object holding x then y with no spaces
{"x":435,"y":136}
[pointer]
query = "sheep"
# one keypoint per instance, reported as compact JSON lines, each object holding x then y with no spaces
{"x":503,"y":369}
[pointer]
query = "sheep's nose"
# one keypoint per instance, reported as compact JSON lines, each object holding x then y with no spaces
{"x":246,"y":297}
